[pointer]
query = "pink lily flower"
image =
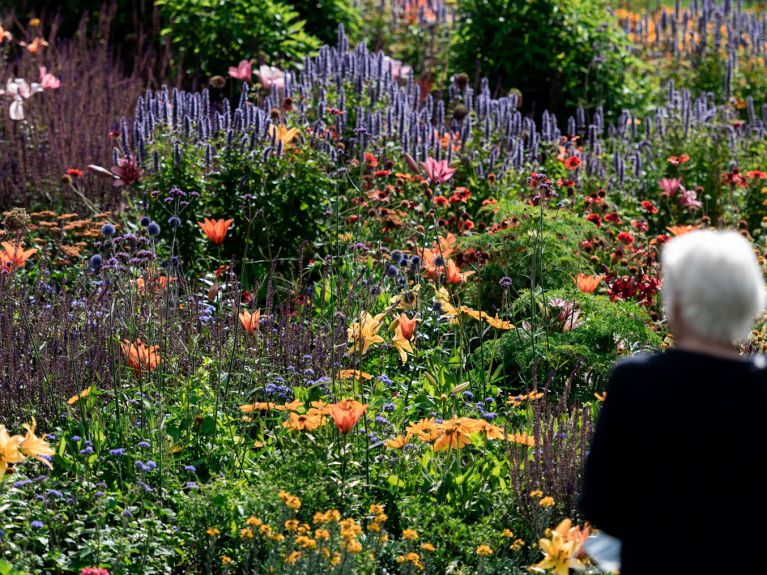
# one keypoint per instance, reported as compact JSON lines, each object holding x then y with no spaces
{"x":688,"y":199}
{"x":243,"y":71}
{"x":269,"y":76}
{"x":398,"y":69}
{"x":438,"y":172}
{"x":48,"y":81}
{"x":670,"y":186}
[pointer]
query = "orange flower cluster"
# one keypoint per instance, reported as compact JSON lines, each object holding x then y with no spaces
{"x":436,"y":263}
{"x":518,"y":400}
{"x":344,"y":413}
{"x":152,"y":284}
{"x":62,"y":237}
{"x":454,"y":433}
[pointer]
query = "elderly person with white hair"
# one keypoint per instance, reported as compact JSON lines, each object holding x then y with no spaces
{"x":678,"y":464}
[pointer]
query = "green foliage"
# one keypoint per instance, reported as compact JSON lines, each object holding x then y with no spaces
{"x":273,"y":202}
{"x":209,"y":35}
{"x":322,"y":18}
{"x":559,"y":53}
{"x":7,"y":569}
{"x":540,"y":249}
{"x":570,"y":332}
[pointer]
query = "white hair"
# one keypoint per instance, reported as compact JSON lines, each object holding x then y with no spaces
{"x":716,"y":283}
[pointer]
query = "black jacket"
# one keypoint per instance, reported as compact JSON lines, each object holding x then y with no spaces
{"x":678,"y":465}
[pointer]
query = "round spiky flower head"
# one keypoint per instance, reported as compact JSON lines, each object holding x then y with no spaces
{"x":16,"y":220}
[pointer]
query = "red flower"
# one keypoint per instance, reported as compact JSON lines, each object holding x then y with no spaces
{"x":461,"y":194}
{"x":75,"y":172}
{"x":381,"y":173}
{"x":370,"y":159}
{"x":641,"y":226}
{"x":440,"y":201}
{"x":757,"y":175}
{"x":594,"y":218}
{"x":649,"y":207}
{"x":572,"y":162}
{"x":613,"y":217}
{"x":626,"y":238}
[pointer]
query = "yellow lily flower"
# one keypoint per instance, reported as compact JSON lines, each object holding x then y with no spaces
{"x":283,"y":133}
{"x":561,"y":551}
{"x":36,"y":447}
{"x":364,"y":333}
{"x":442,"y":297}
{"x":10,"y":450}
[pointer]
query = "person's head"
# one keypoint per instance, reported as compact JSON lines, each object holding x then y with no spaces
{"x":713,"y":287}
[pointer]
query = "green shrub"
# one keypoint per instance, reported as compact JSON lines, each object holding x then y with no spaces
{"x":323,"y":17}
{"x":276,"y":203}
{"x":541,"y":248}
{"x":208,"y":35}
{"x":559,"y":53}
{"x":584,"y":339}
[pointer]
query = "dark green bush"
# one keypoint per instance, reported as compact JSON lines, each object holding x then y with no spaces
{"x":208,"y":36}
{"x":322,"y":18}
{"x":559,"y":53}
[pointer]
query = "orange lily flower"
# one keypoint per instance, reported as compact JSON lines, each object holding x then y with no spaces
{"x":14,"y":255}
{"x":404,"y":329}
{"x":346,"y":413}
{"x":283,"y":134}
{"x":140,"y":356}
{"x":215,"y":229}
{"x":35,"y":45}
{"x":588,"y":284}
{"x":250,"y":320}
{"x":407,"y":326}
{"x":82,"y":395}
{"x":454,"y":275}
